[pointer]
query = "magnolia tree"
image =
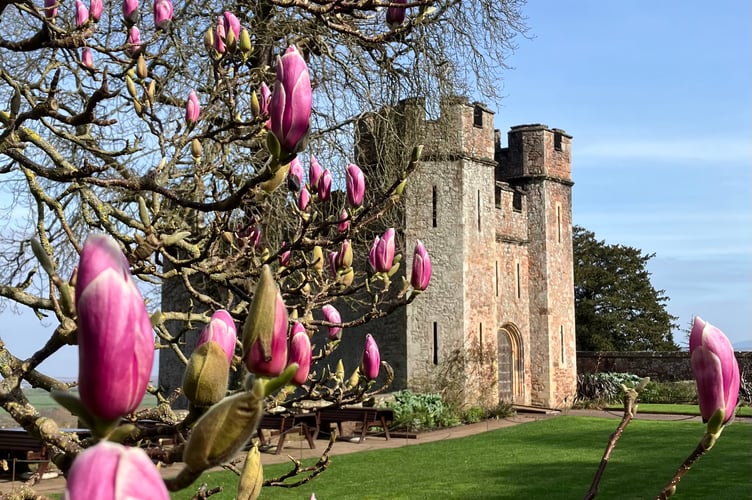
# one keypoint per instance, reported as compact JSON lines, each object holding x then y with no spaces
{"x":154,"y":144}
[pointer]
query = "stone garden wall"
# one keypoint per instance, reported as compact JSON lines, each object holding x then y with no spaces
{"x":659,"y":366}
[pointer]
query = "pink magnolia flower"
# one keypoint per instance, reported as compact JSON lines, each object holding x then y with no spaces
{"x":344,"y":221}
{"x":331,"y":314}
{"x":715,"y":368}
{"x":300,"y":353}
{"x":50,"y":8}
{"x":266,"y":97}
{"x":371,"y":359}
{"x":231,"y":23}
{"x":272,"y":362}
{"x":356,"y":185}
{"x":421,"y":274}
{"x":82,"y":13}
{"x":87,"y":59}
{"x":395,"y":16}
{"x":134,"y":41}
{"x":115,"y":337}
{"x":325,"y":185}
{"x":284,"y":257}
{"x":292,"y":98}
{"x":314,"y":174}
{"x":303,"y":199}
{"x":381,"y":256}
{"x":295,"y":175}
{"x":96,"y":7}
{"x":220,"y":33}
{"x":192,"y":108}
{"x":110,"y":470}
{"x":162,"y":14}
{"x":220,"y":329}
{"x":130,"y":11}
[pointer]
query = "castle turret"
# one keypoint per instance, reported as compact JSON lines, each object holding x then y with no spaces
{"x":537,"y":166}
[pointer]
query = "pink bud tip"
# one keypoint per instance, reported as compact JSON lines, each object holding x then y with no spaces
{"x":331,"y":314}
{"x":356,"y":185}
{"x":715,"y":368}
{"x":111,"y":470}
{"x":115,"y":337}
{"x":421,"y":274}
{"x":222,"y":330}
{"x":371,"y":358}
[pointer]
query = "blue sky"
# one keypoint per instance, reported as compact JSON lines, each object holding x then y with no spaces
{"x":657,"y":97}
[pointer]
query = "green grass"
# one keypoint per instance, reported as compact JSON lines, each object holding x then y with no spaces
{"x":552,"y":459}
{"x":742,"y":411}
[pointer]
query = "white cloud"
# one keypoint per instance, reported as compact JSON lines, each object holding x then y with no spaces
{"x":695,"y":151}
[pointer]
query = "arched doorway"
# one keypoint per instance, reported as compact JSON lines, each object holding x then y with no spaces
{"x":510,"y":364}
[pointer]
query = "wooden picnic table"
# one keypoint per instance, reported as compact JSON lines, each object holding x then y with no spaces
{"x":366,"y":417}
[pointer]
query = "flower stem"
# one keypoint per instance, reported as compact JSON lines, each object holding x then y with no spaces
{"x":630,"y":398}
{"x":670,"y":488}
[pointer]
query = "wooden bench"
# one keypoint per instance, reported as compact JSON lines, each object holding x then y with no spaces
{"x":283,"y":423}
{"x":17,"y":442}
{"x":365,"y":417}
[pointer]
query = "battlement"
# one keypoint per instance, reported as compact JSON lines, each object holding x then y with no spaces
{"x":534,"y":151}
{"x":463,"y":129}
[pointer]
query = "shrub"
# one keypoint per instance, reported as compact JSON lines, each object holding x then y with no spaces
{"x":474,"y":414}
{"x":603,"y":388}
{"x":684,"y":392}
{"x":418,"y":412}
{"x":502,"y":410}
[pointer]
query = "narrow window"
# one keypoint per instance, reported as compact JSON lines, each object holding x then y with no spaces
{"x":478,"y":116}
{"x":517,"y":201}
{"x":518,"y":278}
{"x":497,"y":278}
{"x":557,"y":141}
{"x":497,"y":197}
{"x":561,"y":340}
{"x":558,"y":220}
{"x":435,"y":343}
{"x":479,"y":210}
{"x":480,"y":336}
{"x":433,"y":198}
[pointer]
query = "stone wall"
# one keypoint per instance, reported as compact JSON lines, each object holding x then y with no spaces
{"x":659,"y":366}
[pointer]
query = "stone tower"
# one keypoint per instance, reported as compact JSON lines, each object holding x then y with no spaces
{"x":535,"y":240}
{"x":497,"y":322}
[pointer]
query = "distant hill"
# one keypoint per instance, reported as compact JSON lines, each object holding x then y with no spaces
{"x":743,"y":346}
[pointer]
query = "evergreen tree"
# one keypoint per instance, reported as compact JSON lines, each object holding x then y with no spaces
{"x":616,"y":306}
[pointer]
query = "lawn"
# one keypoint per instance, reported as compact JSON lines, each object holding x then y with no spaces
{"x":553,"y":458}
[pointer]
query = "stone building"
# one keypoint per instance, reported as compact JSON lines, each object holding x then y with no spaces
{"x":497,"y":322}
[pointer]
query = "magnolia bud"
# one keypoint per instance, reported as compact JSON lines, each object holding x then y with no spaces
{"x":207,"y":374}
{"x":252,"y":476}
{"x":318,"y":259}
{"x":223,"y":430}
{"x":196,"y":149}
{"x":141,"y":70}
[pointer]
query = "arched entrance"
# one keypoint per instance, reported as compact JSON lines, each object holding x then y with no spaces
{"x":510,"y":363}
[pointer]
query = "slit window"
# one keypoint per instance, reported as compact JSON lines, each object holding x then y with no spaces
{"x":557,"y":141}
{"x":435,"y":343}
{"x":433,"y":206}
{"x":497,"y":278}
{"x":480,"y":336}
{"x":561,"y":341}
{"x":558,"y":221}
{"x":479,"y":210}
{"x":518,"y":278}
{"x":478,"y":116}
{"x":517,"y":201}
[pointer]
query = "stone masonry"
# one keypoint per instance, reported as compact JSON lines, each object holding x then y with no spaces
{"x":498,"y":317}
